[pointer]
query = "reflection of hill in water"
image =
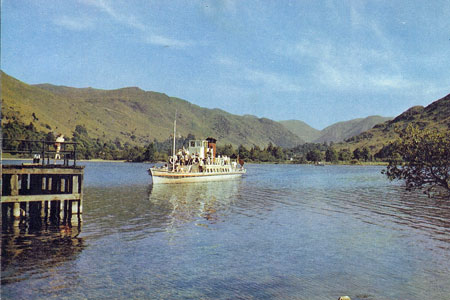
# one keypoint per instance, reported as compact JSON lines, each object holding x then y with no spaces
{"x":206,"y":201}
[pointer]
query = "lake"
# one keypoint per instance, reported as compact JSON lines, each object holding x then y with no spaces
{"x":280,"y":232}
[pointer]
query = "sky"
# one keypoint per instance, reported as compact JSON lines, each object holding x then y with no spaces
{"x":320,"y":62}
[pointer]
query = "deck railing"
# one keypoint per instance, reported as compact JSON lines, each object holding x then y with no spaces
{"x":41,"y":152}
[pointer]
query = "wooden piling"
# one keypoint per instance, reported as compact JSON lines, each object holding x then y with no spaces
{"x":14,"y":185}
{"x":75,"y":180}
{"x":48,"y":208}
{"x":74,"y":207}
{"x":42,"y":208}
{"x":49,"y":184}
{"x":16,"y":210}
{"x":61,"y":210}
{"x":42,"y":190}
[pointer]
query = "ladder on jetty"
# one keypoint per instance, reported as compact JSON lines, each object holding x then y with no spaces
{"x":46,"y":187}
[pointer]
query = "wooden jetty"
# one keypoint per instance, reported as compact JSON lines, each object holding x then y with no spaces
{"x":43,"y":188}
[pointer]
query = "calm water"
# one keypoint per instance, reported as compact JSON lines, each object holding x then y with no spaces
{"x":281,"y":232}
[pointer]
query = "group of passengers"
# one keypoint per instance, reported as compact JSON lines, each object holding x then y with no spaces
{"x":184,"y":158}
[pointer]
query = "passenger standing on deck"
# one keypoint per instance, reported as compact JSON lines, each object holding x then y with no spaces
{"x":201,"y":163}
{"x":59,"y":140}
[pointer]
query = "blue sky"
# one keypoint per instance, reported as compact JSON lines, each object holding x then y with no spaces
{"x":316,"y":61}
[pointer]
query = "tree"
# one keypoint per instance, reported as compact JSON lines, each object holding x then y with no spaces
{"x":50,"y":137}
{"x":149,"y":154}
{"x":331,"y":155}
{"x":385,"y":152}
{"x":344,"y":155}
{"x":80,"y":129}
{"x":423,"y":160}
{"x":254,"y":153}
{"x":225,"y":150}
{"x":134,"y":154}
{"x":243,"y":152}
{"x":365,"y":154}
{"x":264,"y":156}
{"x":357,"y":154}
{"x":314,"y":155}
{"x":278,"y":153}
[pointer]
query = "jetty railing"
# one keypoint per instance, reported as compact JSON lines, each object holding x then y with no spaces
{"x":41,"y":151}
{"x":46,"y":187}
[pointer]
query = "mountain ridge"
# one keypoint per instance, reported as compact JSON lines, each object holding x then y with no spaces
{"x":435,"y":116}
{"x":336,"y":132}
{"x":301,"y":129}
{"x":132,"y":115}
{"x":341,"y":131}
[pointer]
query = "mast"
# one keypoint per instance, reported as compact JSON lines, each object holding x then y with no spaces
{"x":174,"y":135}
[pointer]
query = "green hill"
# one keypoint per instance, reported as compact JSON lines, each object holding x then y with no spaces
{"x":341,"y":131}
{"x":132,"y":115}
{"x":434,"y":116}
{"x":302,"y":130}
{"x":337,"y":132}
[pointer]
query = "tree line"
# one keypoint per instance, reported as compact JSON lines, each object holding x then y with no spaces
{"x":419,"y":157}
{"x":98,"y":148}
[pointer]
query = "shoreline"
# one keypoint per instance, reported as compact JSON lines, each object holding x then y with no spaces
{"x":250,"y":163}
{"x":78,"y":160}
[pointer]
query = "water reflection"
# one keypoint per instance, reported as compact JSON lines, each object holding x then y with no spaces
{"x":205,"y":202}
{"x":281,"y":232}
{"x":34,"y":247}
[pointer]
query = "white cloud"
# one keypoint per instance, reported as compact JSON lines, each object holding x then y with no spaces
{"x":165,"y":41}
{"x":107,"y":8}
{"x":131,"y":21}
{"x":74,"y":23}
{"x":347,"y":66}
{"x":267,"y":80}
{"x":273,"y":81}
{"x":226,"y":61}
{"x":368,"y":61}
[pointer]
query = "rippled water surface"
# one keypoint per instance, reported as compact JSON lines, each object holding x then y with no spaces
{"x":280,"y":232}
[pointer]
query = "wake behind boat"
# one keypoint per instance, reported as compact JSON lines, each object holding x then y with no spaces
{"x":198,"y":163}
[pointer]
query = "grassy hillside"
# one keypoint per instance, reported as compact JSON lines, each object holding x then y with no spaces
{"x":337,"y":132}
{"x":132,"y":115}
{"x":434,"y":116}
{"x":343,"y":130}
{"x":302,"y":130}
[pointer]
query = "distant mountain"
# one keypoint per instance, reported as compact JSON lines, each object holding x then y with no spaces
{"x":302,"y":130}
{"x":343,"y":130}
{"x":337,"y":132}
{"x":434,"y":116}
{"x":132,"y":115}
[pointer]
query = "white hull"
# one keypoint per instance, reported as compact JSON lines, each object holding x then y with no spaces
{"x":159,"y":176}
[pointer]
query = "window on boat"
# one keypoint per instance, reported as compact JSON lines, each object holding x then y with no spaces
{"x":192,"y":143}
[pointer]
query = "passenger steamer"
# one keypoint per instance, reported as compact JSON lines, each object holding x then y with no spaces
{"x":197,"y":163}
